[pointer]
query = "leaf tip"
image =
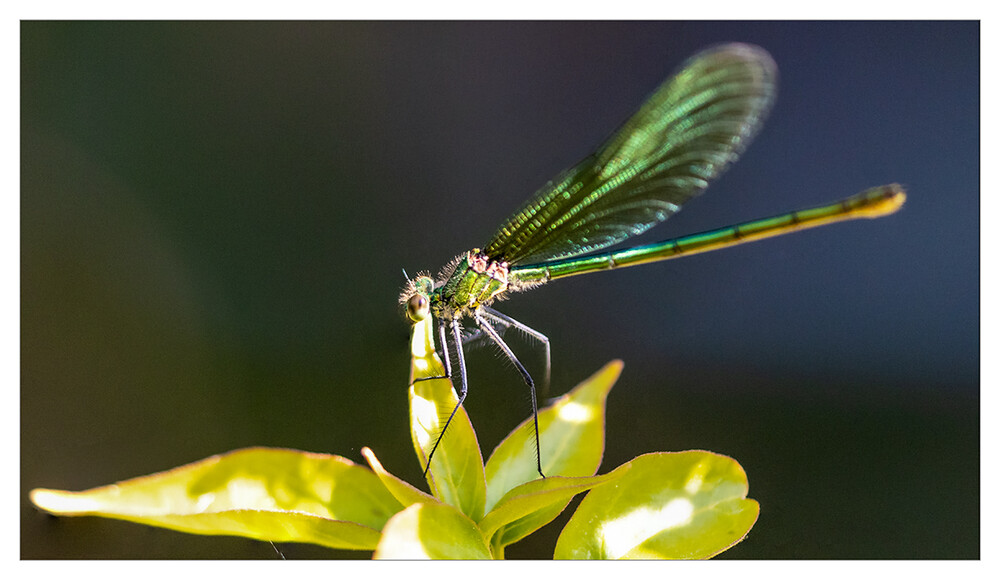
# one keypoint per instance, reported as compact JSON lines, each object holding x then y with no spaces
{"x":373,"y":461}
{"x":611,"y":371}
{"x":61,"y":502}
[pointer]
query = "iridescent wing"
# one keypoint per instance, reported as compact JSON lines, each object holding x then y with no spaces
{"x":691,"y":128}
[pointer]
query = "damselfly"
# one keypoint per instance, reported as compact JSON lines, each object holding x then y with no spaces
{"x":690,"y":129}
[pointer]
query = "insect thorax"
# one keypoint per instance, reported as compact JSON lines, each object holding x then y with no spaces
{"x":476,"y":280}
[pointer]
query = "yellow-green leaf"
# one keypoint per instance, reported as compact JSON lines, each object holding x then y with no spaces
{"x":571,"y":433}
{"x":456,"y":475}
{"x":431,"y":531}
{"x":686,"y":505}
{"x":404,"y":493}
{"x":530,"y":506}
{"x":267,"y":494}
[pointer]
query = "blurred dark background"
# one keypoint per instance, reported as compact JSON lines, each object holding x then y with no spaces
{"x":215,"y":218}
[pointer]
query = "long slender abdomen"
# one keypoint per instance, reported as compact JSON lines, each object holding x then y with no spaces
{"x":872,"y":203}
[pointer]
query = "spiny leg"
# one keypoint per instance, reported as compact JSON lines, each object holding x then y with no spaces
{"x":463,"y":384}
{"x":474,"y":336}
{"x":444,"y":351}
{"x":446,"y":375}
{"x":502,"y":318}
{"x":483,"y":324}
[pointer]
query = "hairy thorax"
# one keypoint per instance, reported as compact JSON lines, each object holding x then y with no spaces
{"x":475,"y":281}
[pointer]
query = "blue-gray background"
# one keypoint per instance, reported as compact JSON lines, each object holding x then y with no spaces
{"x":215,"y":217}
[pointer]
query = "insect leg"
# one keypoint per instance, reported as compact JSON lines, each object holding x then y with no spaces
{"x":463,"y":389}
{"x":444,"y":352}
{"x":501,"y":318}
{"x":483,"y":324}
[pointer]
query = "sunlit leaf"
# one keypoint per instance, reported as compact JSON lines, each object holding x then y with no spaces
{"x":571,"y":432}
{"x":267,"y":494}
{"x":456,"y":475}
{"x":431,"y":531}
{"x":668,"y":505}
{"x":530,"y":506}
{"x":404,"y":493}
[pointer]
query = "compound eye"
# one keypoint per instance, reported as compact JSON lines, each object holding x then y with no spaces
{"x":417,"y":307}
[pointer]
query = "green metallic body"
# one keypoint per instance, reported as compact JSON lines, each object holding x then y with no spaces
{"x":872,"y":203}
{"x":685,"y":135}
{"x":476,"y":281}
